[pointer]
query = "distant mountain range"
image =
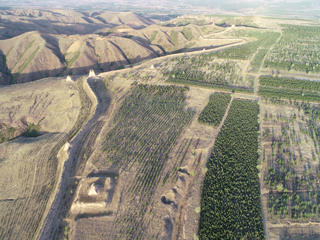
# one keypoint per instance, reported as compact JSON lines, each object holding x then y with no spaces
{"x":48,"y":43}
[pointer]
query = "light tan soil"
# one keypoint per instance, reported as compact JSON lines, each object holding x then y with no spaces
{"x":287,"y":228}
{"x":28,"y":165}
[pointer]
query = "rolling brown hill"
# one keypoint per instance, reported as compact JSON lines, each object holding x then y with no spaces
{"x":57,"y":21}
{"x":33,"y":55}
{"x":49,"y":43}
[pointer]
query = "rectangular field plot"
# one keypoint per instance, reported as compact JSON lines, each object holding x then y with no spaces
{"x":286,"y":88}
{"x":145,"y":129}
{"x":291,"y":171}
{"x":230,"y":201}
{"x":215,"y":110}
{"x":298,"y":49}
{"x":206,"y":71}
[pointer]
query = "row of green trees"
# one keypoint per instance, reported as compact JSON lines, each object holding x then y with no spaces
{"x":258,"y":58}
{"x":289,"y":93}
{"x":210,"y":85}
{"x":288,"y":65}
{"x":289,"y":83}
{"x":230,"y":201}
{"x":213,"y":113}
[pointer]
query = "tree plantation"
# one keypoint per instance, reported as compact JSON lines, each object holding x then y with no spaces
{"x":145,"y":129}
{"x":298,"y":49}
{"x":291,"y":160}
{"x":230,"y":202}
{"x":214,"y":111}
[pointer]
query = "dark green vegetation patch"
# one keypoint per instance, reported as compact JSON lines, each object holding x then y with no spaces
{"x":289,"y":83}
{"x":289,"y":89}
{"x":230,"y":201}
{"x":146,"y":128}
{"x":213,"y":113}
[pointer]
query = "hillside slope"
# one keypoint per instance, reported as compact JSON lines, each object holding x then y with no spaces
{"x":57,"y":21}
{"x":29,"y":165}
{"x":33,"y":55}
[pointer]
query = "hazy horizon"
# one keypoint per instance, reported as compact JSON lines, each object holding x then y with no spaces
{"x":308,"y":9}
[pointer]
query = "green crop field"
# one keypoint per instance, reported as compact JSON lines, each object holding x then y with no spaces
{"x":213,"y":113}
{"x":230,"y":201}
{"x":246,"y":51}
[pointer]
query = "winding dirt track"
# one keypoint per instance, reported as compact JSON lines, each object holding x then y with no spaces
{"x":52,"y":220}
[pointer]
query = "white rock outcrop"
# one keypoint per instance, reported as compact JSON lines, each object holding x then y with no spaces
{"x":91,"y":73}
{"x":69,"y":79}
{"x":95,"y":189}
{"x":67,"y":146}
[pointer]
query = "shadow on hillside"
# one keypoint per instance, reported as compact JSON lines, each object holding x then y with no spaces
{"x":5,"y":77}
{"x":4,"y":71}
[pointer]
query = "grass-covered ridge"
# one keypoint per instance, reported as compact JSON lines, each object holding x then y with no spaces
{"x":230,"y":201}
{"x":153,"y":36}
{"x":213,"y":113}
{"x":25,"y":64}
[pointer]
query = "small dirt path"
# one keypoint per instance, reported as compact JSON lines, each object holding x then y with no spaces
{"x":53,"y":218}
{"x":256,"y":80}
{"x":218,"y":33}
{"x":207,"y":152}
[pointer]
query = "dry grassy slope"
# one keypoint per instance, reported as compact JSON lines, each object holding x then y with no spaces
{"x":163,"y":39}
{"x":49,"y":99}
{"x":134,"y":51}
{"x":57,"y":21}
{"x":171,"y":38}
{"x":121,"y":28}
{"x":26,"y":175}
{"x":212,"y":28}
{"x":46,"y":62}
{"x":87,"y":59}
{"x":177,"y":37}
{"x":196,"y":33}
{"x":131,"y":19}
